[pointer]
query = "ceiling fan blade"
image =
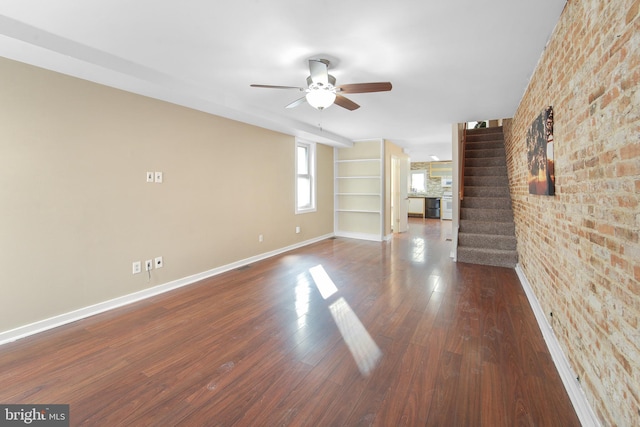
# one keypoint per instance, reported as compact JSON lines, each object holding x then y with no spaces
{"x":297,"y":102}
{"x":279,"y":87}
{"x":346,"y":103}
{"x":319,"y":70}
{"x":364,"y":87}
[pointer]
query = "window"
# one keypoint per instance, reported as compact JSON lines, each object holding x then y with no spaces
{"x":418,"y":181}
{"x":305,"y":177}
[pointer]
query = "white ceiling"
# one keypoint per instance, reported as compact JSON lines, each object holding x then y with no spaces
{"x":449,"y":61}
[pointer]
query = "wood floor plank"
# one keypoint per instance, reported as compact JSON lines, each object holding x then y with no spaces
{"x":444,"y":408}
{"x":407,"y":338}
{"x":392,"y":409}
{"x":423,"y":386}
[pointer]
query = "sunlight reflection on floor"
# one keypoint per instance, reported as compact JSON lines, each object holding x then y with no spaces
{"x":302,"y":291}
{"x":363,"y":348}
{"x":418,"y":254}
{"x":323,"y":281}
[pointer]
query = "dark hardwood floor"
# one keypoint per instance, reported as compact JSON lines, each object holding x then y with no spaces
{"x":385,"y":334}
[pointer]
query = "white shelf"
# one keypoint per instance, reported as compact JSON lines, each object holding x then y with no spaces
{"x":358,"y":189}
{"x":357,"y":210}
{"x":358,"y":160}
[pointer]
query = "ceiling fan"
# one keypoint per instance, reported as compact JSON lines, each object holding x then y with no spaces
{"x":322,"y":92}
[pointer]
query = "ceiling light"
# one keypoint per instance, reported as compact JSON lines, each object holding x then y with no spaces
{"x":435,"y":158}
{"x":321,"y":97}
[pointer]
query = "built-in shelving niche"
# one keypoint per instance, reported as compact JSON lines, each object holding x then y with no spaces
{"x":359,"y":187}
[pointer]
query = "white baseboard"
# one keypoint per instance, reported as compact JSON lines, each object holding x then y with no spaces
{"x":574,"y":390}
{"x":72,"y":316}
{"x":361,"y":236}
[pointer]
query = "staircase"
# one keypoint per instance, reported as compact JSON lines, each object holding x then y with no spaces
{"x":487,"y":231}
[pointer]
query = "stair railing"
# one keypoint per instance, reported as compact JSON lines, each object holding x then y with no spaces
{"x":461,"y":158}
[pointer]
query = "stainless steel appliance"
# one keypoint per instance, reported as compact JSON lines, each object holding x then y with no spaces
{"x":433,"y":207}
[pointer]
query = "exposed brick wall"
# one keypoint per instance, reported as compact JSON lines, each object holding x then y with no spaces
{"x":580,"y":249}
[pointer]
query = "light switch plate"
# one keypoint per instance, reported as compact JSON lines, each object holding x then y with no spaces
{"x":159,"y":177}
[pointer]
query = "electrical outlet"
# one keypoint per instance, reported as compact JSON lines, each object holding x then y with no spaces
{"x":260,"y":238}
{"x":158,"y":177}
{"x":158,"y":262}
{"x":137,"y":267}
{"x":297,"y":230}
{"x":150,"y":176}
{"x":148,"y":265}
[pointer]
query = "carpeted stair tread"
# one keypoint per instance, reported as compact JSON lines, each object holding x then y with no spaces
{"x":495,"y":257}
{"x":486,"y":181}
{"x":471,"y":162}
{"x":486,"y":202}
{"x":488,"y":137}
{"x":492,"y":129}
{"x":497,"y":215}
{"x":503,"y":242}
{"x":485,"y":170}
{"x":483,"y":145}
{"x":484,"y":152}
{"x":506,"y":228}
{"x":484,"y":191}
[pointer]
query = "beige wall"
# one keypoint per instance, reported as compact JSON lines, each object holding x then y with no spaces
{"x":76,"y":210}
{"x":580,"y":249}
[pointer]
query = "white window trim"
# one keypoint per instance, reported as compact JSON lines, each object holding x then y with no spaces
{"x":312,"y":173}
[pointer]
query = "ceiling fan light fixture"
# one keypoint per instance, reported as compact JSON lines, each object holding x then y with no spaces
{"x":322,"y":92}
{"x":321,"y":98}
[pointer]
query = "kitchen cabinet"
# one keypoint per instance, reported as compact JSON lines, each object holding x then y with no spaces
{"x":416,"y":206}
{"x":440,"y":169}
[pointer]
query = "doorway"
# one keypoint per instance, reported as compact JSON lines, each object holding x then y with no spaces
{"x":399,"y":194}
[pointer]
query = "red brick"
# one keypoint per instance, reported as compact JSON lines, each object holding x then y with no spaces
{"x":626,"y":234}
{"x":606,"y":229}
{"x":629,"y":168}
{"x":609,"y":97}
{"x":627,"y":201}
{"x":616,"y":261}
{"x":633,"y":12}
{"x":596,"y":238}
{"x":596,"y":94}
{"x":630,"y":151}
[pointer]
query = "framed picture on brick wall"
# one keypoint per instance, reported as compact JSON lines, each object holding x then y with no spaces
{"x":540,"y":154}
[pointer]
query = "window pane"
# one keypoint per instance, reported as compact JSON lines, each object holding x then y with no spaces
{"x":305,"y":177}
{"x":418,"y":184}
{"x":303,"y":160}
{"x":304,"y":191}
